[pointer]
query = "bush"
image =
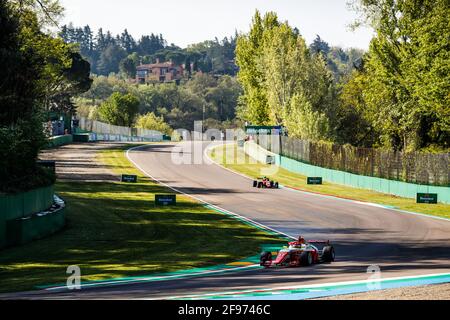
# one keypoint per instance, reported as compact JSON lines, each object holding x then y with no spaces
{"x":19,"y":148}
{"x":119,"y":109}
{"x":151,"y":122}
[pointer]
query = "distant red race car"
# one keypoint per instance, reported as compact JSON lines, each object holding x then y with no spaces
{"x":265,"y":183}
{"x":300,"y":253}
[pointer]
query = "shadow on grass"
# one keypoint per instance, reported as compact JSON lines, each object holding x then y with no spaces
{"x":113,"y":230}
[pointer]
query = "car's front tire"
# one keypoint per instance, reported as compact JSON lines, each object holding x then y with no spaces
{"x":265,"y":256}
{"x":328,"y":254}
{"x":306,"y":258}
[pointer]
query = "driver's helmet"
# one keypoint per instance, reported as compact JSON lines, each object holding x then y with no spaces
{"x":301,"y":240}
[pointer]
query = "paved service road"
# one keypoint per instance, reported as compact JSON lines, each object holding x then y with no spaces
{"x":400,"y":244}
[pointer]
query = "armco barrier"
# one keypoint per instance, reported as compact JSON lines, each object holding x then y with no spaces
{"x":398,"y":188}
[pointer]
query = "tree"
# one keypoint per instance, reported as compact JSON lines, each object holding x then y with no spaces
{"x":408,"y":71}
{"x":305,"y":123}
{"x":24,"y":75}
{"x":110,"y":59}
{"x":73,"y":80}
{"x":284,"y":67}
{"x":223,"y":98}
{"x":319,"y":46}
{"x":354,"y":117}
{"x":151,"y":122}
{"x":249,"y":51}
{"x":128,"y":67}
{"x":276,"y":66}
{"x":127,"y":42}
{"x":120,"y":109}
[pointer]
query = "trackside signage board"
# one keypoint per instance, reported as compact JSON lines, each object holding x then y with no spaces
{"x":129,"y":178}
{"x":165,"y":200}
{"x":315,"y":180}
{"x":427,"y":198}
{"x":275,"y":130}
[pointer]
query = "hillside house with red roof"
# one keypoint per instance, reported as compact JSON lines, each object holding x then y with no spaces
{"x":158,"y":72}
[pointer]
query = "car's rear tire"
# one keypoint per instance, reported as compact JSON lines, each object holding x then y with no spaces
{"x":328,"y":254}
{"x":306,"y":258}
{"x":255,"y":184}
{"x":260,"y":184}
{"x":265,"y":256}
{"x":276,"y":185}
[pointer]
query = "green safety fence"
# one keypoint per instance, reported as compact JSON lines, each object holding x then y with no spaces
{"x":81,"y":137}
{"x":398,"y":188}
{"x":20,"y":205}
{"x":16,"y":206}
{"x":24,"y":230}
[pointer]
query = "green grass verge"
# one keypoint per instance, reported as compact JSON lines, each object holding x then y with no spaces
{"x":115,"y":230}
{"x":223,"y":154}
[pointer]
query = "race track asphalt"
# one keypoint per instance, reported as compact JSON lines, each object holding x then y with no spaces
{"x":400,"y":244}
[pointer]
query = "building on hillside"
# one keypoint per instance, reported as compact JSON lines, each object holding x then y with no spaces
{"x":159,"y":72}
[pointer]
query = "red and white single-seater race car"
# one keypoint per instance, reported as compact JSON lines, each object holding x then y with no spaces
{"x":265,"y":183}
{"x":300,"y":253}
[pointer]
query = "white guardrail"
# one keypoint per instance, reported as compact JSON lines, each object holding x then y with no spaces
{"x":101,"y":131}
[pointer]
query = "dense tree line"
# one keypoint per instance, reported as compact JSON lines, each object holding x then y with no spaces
{"x":399,"y":97}
{"x":39,"y":74}
{"x":284,"y":84}
{"x":108,"y":53}
{"x":340,"y":61}
{"x":395,"y":96}
{"x":203,"y":97}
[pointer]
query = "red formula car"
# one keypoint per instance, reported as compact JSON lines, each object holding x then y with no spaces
{"x":300,"y":253}
{"x":265,"y":183}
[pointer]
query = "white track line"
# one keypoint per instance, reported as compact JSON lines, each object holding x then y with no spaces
{"x":221,"y":166}
{"x":155,"y":278}
{"x":199,"y":199}
{"x":430,"y":216}
{"x":256,"y":223}
{"x":311,"y":286}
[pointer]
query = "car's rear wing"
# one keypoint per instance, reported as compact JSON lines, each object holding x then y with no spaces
{"x":320,"y":244}
{"x":319,"y":241}
{"x":326,"y":242}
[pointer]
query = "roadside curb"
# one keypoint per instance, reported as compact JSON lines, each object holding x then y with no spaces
{"x":304,"y":292}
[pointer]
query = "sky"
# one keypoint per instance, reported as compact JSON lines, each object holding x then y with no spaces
{"x":184,"y":22}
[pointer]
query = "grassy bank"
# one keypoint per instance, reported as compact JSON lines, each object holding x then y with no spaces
{"x":223,"y":155}
{"x":114,"y":230}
